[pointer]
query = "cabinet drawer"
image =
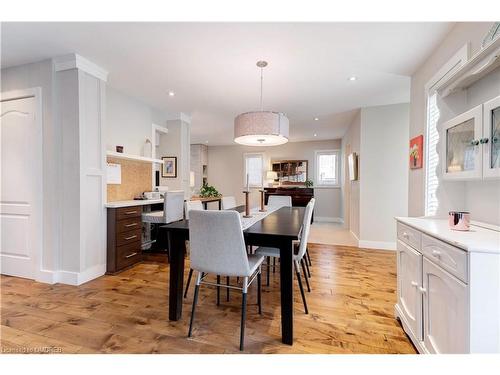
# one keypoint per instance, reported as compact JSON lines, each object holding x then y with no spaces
{"x":409,"y":236}
{"x":451,"y":258}
{"x":128,"y":212}
{"x":128,"y":237}
{"x":128,"y":254}
{"x":126,"y":225}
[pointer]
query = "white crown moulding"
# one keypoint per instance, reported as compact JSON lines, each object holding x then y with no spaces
{"x":75,"y":61}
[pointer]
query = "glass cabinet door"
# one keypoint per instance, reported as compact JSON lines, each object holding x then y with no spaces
{"x":460,"y":143}
{"x":495,"y":139}
{"x":491,"y":139}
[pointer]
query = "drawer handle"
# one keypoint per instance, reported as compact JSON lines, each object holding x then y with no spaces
{"x":422,"y":290}
{"x":130,"y":212}
{"x":130,"y":255}
{"x":131,"y":237}
{"x":436,"y":253}
{"x":406,"y":235}
{"x":414,"y":284}
{"x":130,"y":225}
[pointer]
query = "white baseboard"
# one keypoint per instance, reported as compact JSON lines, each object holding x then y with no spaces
{"x":354,"y":235}
{"x":379,"y":245}
{"x":328,"y":219}
{"x":71,"y":277}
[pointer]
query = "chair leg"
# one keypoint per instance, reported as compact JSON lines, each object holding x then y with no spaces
{"x":307,"y":267}
{"x":218,"y":290}
{"x":259,"y":291}
{"x":195,"y":300}
{"x":308,"y":257}
{"x":268,"y":269}
{"x":227,"y":289}
{"x":299,"y":278}
{"x":243,"y":318}
{"x":188,"y":282}
{"x":302,"y":263}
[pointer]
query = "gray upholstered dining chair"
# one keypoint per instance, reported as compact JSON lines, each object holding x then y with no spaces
{"x":279,"y":201}
{"x":218,"y":247}
{"x":192,"y":206}
{"x":299,"y":256}
{"x":173,"y":203}
{"x":228,"y":202}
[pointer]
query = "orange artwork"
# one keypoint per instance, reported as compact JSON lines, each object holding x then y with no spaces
{"x":416,"y":152}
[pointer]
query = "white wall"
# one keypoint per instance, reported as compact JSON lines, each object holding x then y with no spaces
{"x":128,"y":122}
{"x":351,"y":142}
{"x":226,"y":171}
{"x":383,"y":173}
{"x":462,"y":33}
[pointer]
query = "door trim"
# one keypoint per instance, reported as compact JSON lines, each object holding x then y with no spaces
{"x":36,"y":93}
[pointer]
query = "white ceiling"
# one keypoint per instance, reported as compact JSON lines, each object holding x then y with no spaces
{"x":211,"y":66}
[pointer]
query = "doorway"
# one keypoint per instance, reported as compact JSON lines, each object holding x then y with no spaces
{"x":21,"y":183}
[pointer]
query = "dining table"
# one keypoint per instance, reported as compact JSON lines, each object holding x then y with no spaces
{"x":279,"y":229}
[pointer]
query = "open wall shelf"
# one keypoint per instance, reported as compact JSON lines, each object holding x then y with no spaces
{"x":143,"y":159}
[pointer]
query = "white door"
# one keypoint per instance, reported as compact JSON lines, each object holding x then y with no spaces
{"x":445,"y":311}
{"x":409,"y":281}
{"x":21,"y":188}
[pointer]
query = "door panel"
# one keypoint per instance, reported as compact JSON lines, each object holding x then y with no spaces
{"x":409,"y":280}
{"x":491,"y":140}
{"x":445,"y":311}
{"x":20,"y":200}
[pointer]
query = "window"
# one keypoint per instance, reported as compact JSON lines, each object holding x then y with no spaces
{"x":431,"y":179}
{"x":327,"y":168}
{"x":254,"y":167}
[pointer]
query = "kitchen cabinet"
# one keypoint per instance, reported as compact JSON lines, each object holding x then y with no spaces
{"x":448,"y":289}
{"x":461,"y":146}
{"x":445,"y":305}
{"x":409,"y":280}
{"x":491,"y":139}
{"x":471,"y":143}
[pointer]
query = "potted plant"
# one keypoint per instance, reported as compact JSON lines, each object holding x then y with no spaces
{"x":309,"y":184}
{"x":208,"y":191}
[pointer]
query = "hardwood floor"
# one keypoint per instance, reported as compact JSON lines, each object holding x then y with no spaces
{"x":350,"y":311}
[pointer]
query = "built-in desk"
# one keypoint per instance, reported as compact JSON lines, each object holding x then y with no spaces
{"x":124,"y":227}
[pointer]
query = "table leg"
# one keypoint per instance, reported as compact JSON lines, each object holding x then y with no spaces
{"x":220,"y":204}
{"x":177,"y":246}
{"x":205,"y":205}
{"x":286,"y":283}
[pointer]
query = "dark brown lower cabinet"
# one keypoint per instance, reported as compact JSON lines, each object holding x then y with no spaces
{"x":124,"y":238}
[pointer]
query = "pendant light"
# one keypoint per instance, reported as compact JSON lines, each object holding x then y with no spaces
{"x":261,"y":128}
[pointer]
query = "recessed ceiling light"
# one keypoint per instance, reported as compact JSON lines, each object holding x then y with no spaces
{"x":353,"y":78}
{"x":206,"y":141}
{"x":315,"y":135}
{"x":316,"y":118}
{"x":171,"y":93}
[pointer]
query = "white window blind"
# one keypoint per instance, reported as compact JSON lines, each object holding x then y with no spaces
{"x":327,"y":168}
{"x":254,"y":166}
{"x":432,"y":159}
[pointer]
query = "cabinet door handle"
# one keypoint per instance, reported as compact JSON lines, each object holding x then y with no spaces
{"x":436,"y":253}
{"x":474,"y":142}
{"x":414,"y":284}
{"x":130,"y":255}
{"x":130,"y":212}
{"x":130,"y":225}
{"x":484,"y":141}
{"x":131,"y":237}
{"x":422,"y":290}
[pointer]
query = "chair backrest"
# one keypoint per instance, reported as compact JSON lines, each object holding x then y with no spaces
{"x":217,"y":244}
{"x":306,"y":226}
{"x":228,"y":202}
{"x":279,"y":201}
{"x":192,"y":206}
{"x":173,"y":206}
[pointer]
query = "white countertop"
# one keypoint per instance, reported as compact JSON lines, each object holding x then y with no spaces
{"x":477,"y":239}
{"x":130,"y":203}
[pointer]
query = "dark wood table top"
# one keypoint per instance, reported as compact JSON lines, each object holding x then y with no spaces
{"x":285,"y":222}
